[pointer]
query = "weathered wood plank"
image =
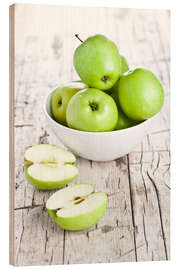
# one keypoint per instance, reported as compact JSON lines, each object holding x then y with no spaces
{"x":149,"y":182}
{"x":38,"y":239}
{"x":111,"y":241}
{"x":136,"y":224}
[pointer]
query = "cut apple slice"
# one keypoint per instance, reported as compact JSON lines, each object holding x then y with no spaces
{"x":77,"y":207}
{"x":49,"y":166}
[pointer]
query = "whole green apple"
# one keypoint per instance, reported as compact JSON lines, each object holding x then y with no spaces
{"x":77,"y":207}
{"x":60,"y":98}
{"x":96,"y":61}
{"x":140,"y":94}
{"x":49,"y":166}
{"x":92,"y":110}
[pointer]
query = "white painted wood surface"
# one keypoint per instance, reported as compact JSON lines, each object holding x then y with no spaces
{"x":136,"y":224}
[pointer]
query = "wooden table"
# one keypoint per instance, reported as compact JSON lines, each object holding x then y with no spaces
{"x":136,"y":224}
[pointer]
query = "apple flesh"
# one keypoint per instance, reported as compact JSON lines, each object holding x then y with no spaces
{"x":49,"y":167}
{"x":92,"y":110}
{"x":61,"y":97}
{"x":140,"y":94}
{"x":97,"y":63}
{"x":77,"y":207}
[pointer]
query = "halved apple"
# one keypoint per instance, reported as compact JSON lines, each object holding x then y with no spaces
{"x":77,"y":207}
{"x":49,"y":166}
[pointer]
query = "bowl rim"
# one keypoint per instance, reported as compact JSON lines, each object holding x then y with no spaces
{"x":91,"y":132}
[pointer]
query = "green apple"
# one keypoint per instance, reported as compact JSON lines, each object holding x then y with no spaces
{"x":124,"y":64}
{"x":124,"y":68}
{"x":123,"y":121}
{"x":49,"y":166}
{"x":97,"y":63}
{"x":61,"y":97}
{"x":92,"y":110}
{"x":140,"y":94}
{"x":77,"y":207}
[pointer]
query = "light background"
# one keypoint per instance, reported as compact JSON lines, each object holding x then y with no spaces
{"x":175,"y":144}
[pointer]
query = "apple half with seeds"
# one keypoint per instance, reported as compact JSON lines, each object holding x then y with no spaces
{"x":77,"y":207}
{"x":49,"y":166}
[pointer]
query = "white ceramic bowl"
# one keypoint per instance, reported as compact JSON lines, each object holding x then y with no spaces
{"x":98,"y":146}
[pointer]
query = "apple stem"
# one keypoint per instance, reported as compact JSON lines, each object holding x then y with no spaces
{"x":77,"y":36}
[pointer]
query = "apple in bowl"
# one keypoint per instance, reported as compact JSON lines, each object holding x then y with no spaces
{"x":140,"y":94}
{"x":97,"y":62}
{"x":61,"y":97}
{"x":92,"y":110}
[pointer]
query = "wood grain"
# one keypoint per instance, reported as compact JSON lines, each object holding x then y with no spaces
{"x":136,"y":224}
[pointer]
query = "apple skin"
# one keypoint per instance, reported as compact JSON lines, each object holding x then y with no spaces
{"x":45,"y":185}
{"x":97,"y":63}
{"x":80,"y":222}
{"x":140,"y":94}
{"x":92,"y":110}
{"x":124,"y":64}
{"x":123,"y":121}
{"x":124,"y":68}
{"x":60,"y":99}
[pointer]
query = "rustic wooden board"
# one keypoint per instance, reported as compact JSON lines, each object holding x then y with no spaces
{"x":136,"y":224}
